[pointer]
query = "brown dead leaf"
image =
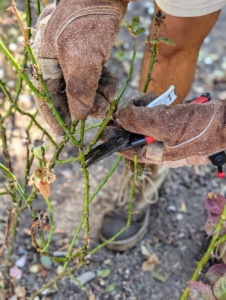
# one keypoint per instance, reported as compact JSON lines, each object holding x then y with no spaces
{"x":44,"y":188}
{"x":92,"y":297}
{"x":183,"y":207}
{"x":150,"y":263}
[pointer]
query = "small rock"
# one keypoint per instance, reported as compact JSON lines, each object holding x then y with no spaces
{"x":86,"y":277}
{"x":20,"y":291}
{"x":34,"y":268}
{"x":179,"y":217}
{"x":46,"y":262}
{"x":171,"y":208}
{"x":21,"y":262}
{"x":15,"y":272}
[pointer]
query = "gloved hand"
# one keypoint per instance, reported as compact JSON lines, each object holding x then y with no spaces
{"x":187,"y":133}
{"x":72,"y":44}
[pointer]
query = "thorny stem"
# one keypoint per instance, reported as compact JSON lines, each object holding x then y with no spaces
{"x":150,"y":69}
{"x":32,"y":117}
{"x":9,"y":211}
{"x":62,"y":144}
{"x":207,"y":255}
{"x":28,"y":17}
{"x":4,"y":144}
{"x":128,"y":76}
{"x":130,"y":208}
{"x":51,"y":219}
{"x":88,"y":127}
{"x":32,"y":87}
{"x":38,"y":8}
{"x":78,"y":229}
{"x":86,"y":191}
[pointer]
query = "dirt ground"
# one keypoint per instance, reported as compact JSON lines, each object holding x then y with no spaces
{"x":176,"y":230}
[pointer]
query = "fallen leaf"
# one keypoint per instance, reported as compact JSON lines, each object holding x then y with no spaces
{"x":144,"y":250}
{"x":103,"y":273}
{"x":111,"y":287}
{"x":92,"y":297}
{"x":199,"y":291}
{"x":150,"y":263}
{"x":160,"y":277}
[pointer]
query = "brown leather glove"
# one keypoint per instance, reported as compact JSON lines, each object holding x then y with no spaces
{"x":72,"y":44}
{"x":187,"y":133}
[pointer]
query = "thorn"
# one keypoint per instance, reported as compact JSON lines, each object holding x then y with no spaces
{"x":11,"y":8}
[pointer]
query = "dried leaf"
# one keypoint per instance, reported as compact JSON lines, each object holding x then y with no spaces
{"x":150,"y":263}
{"x":219,"y":288}
{"x":92,"y":297}
{"x":214,"y":203}
{"x":44,"y":188}
{"x":199,"y":291}
{"x":215,"y":272}
{"x":103,"y":273}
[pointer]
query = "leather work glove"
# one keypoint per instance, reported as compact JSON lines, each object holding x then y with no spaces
{"x":187,"y":133}
{"x":72,"y":44}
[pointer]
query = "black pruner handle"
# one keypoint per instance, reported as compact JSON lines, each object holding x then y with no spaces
{"x":219,"y":159}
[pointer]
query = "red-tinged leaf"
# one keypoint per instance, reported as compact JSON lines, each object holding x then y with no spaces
{"x":211,"y":224}
{"x":219,"y":288}
{"x":200,"y":291}
{"x":215,"y":272}
{"x":214,"y":203}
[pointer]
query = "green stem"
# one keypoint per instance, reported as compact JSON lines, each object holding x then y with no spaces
{"x":130,"y":208}
{"x":88,"y":127}
{"x":51,"y":219}
{"x":150,"y":69}
{"x":32,"y":117}
{"x":38,"y":8}
{"x":86,"y":190}
{"x":128,"y":76}
{"x":28,"y":17}
{"x":110,"y":172}
{"x":207,"y":255}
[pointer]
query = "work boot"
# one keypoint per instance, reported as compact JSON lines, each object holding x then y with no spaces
{"x":146,"y":193}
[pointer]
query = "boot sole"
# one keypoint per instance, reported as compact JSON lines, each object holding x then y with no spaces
{"x":128,"y":243}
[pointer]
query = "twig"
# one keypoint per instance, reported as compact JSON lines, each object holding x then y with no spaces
{"x":86,"y":191}
{"x":207,"y":255}
{"x":55,"y":279}
{"x":9,"y":211}
{"x":38,"y":8}
{"x":4,"y":144}
{"x":28,"y":17}
{"x":51,"y":219}
{"x":32,"y":117}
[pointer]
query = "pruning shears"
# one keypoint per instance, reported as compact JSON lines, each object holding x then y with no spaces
{"x":126,"y":140}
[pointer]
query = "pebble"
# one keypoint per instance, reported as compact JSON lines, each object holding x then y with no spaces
{"x":21,"y":262}
{"x":171,"y":208}
{"x":86,"y":277}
